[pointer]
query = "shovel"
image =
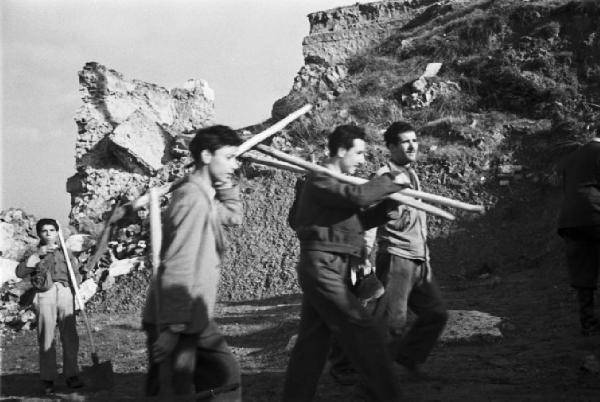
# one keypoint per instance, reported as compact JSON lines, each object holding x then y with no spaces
{"x":101,"y":374}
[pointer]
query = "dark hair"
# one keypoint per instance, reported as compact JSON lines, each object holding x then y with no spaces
{"x":43,"y":222}
{"x":391,"y":134}
{"x":212,"y":138}
{"x":343,"y":137}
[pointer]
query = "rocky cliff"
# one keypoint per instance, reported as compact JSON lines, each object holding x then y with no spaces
{"x":337,"y":35}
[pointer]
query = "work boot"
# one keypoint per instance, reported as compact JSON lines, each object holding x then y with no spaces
{"x":48,"y":387}
{"x":74,"y":382}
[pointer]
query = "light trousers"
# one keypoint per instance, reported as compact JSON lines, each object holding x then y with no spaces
{"x":56,"y":306}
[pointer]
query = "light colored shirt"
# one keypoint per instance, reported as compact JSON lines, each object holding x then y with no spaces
{"x":405,"y":234}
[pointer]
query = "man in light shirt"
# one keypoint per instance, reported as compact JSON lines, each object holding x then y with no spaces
{"x":402,"y":263}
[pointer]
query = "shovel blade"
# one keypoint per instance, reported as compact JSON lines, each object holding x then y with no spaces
{"x":99,"y":375}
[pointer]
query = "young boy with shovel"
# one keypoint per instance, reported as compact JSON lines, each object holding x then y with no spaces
{"x":178,"y":316}
{"x":54,"y":303}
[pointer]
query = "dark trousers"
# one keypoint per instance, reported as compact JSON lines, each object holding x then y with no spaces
{"x":582,"y":246}
{"x":329,"y":307}
{"x":199,"y":362}
{"x":408,"y":284}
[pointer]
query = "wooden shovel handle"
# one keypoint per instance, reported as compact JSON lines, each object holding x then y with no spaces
{"x":76,"y":288}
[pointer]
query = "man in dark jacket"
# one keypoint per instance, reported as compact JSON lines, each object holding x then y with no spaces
{"x":330,"y":223}
{"x":579,"y":225}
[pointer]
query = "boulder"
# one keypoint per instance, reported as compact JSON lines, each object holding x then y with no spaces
{"x":7,"y":270}
{"x":471,"y":325}
{"x":122,"y":267}
{"x":17,"y":233}
{"x":139,"y":143}
{"x":78,"y":243}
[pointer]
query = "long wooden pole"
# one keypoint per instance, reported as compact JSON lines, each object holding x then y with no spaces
{"x":275,"y":163}
{"x":357,"y":180}
{"x":78,"y":297}
{"x":155,"y":245}
{"x":244,"y":147}
{"x":308,"y":166}
{"x":145,"y":199}
{"x":260,"y":137}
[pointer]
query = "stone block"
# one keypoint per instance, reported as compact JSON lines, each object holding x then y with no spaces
{"x":139,"y":143}
{"x":471,"y":325}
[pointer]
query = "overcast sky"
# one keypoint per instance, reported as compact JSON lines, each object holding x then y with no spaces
{"x":247,"y":50}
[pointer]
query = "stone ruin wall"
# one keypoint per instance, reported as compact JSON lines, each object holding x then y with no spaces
{"x":132,"y":135}
{"x":129,"y":137}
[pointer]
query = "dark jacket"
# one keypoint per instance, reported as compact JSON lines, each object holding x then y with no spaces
{"x":333,"y":216}
{"x":581,"y":187}
{"x":55,"y":262}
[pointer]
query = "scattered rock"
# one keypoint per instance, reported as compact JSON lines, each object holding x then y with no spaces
{"x":7,"y":270}
{"x":432,"y":70}
{"x":17,"y":233}
{"x":423,"y":91}
{"x":465,"y":326}
{"x":87,"y":289}
{"x":122,"y":267}
{"x":78,"y":243}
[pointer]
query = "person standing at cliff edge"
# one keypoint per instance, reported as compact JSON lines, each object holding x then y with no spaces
{"x":579,"y":226}
{"x":54,"y":303}
{"x":330,"y":221}
{"x":187,"y":279}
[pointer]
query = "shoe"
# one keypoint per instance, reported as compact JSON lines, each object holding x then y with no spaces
{"x":369,"y":288}
{"x":74,"y":382}
{"x":344,"y":375}
{"x":48,"y":387}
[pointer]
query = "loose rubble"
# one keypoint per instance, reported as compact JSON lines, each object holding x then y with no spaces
{"x":125,"y":254}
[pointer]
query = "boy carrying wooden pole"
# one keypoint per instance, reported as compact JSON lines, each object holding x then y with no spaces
{"x":188,"y":276}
